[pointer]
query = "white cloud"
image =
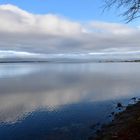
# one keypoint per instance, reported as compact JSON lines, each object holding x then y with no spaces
{"x":14,"y":20}
{"x":27,"y":32}
{"x":113,"y":28}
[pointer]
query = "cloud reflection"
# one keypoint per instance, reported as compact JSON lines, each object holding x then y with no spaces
{"x":56,"y":85}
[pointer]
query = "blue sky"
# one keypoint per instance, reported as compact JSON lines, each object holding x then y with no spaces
{"x":79,"y":10}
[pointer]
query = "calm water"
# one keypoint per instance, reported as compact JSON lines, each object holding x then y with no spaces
{"x":62,"y":101}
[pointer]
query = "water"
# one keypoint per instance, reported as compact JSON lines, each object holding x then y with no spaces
{"x":63,"y":101}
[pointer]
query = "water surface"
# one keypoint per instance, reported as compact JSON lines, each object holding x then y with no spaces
{"x":48,"y":101}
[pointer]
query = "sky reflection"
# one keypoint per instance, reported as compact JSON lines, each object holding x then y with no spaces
{"x":52,"y":86}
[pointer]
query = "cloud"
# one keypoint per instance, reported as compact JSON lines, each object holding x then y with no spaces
{"x":113,"y":28}
{"x":14,"y":20}
{"x":22,"y":31}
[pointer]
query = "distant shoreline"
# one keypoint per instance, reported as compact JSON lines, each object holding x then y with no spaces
{"x":75,"y":61}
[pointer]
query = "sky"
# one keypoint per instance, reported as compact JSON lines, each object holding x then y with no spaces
{"x":79,"y":10}
{"x":77,"y":26}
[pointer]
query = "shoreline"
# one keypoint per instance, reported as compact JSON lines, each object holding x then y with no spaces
{"x":125,"y":125}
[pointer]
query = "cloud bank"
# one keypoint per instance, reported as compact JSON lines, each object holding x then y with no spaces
{"x":21,"y":31}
